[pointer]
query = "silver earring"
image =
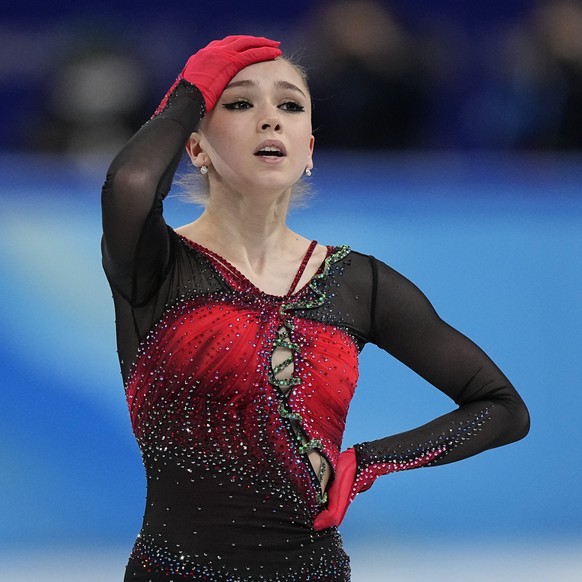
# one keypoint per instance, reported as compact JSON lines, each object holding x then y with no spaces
{"x":204,"y":170}
{"x":308,"y":172}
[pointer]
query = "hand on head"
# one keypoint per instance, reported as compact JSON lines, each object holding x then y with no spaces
{"x":211,"y":68}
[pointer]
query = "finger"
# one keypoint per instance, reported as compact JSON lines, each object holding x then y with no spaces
{"x":239,"y":43}
{"x":257,"y":55}
{"x":243,"y":43}
{"x":324,"y":520}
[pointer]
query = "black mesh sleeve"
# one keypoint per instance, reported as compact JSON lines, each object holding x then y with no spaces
{"x":489,"y":412}
{"x":135,"y":242}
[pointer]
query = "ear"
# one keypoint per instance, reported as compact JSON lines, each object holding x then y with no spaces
{"x":310,"y":156}
{"x":195,"y":151}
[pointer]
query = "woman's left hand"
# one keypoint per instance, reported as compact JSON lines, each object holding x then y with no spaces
{"x":339,"y":494}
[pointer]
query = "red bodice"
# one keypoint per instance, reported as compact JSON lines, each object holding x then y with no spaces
{"x":203,"y":382}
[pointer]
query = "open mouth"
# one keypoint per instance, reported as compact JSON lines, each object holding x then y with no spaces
{"x":270,"y":151}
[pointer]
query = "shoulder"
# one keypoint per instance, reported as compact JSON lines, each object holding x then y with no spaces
{"x":385,"y":279}
{"x":356,"y":269}
{"x":358,"y":259}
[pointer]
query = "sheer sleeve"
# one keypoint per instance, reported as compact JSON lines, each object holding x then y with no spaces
{"x":135,"y":242}
{"x":489,"y":412}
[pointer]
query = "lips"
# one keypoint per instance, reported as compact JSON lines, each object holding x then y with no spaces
{"x":271,"y":148}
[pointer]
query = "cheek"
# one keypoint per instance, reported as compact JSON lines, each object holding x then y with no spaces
{"x":218,"y":134}
{"x":222,"y":145}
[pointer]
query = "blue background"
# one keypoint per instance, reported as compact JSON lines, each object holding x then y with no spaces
{"x":493,"y":238}
{"x":494,"y":241}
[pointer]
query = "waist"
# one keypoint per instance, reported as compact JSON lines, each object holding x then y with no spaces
{"x":319,"y":557}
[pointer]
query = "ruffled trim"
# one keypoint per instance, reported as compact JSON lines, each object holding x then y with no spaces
{"x":316,"y":284}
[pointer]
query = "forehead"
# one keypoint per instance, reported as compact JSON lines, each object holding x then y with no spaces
{"x":271,"y":72}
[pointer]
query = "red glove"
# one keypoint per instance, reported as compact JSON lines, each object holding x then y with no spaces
{"x":211,"y":68}
{"x":346,"y":486}
{"x":339,"y":494}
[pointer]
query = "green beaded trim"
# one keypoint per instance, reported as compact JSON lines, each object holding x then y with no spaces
{"x":284,"y":383}
{"x":304,"y":447}
{"x":285,"y":413}
{"x":283,"y":341}
{"x":322,"y":468}
{"x":320,"y":296}
{"x":276,"y":369}
{"x":312,"y":444}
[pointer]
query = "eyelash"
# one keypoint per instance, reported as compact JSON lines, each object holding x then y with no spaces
{"x":242,"y":104}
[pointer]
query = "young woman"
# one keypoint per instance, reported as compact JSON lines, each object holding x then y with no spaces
{"x":239,"y":339}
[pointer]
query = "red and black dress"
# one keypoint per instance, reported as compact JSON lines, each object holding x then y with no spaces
{"x":232,"y":390}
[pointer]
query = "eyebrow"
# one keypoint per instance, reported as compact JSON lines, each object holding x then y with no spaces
{"x":278,"y":85}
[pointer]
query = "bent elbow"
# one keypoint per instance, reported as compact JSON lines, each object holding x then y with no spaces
{"x":519,"y":422}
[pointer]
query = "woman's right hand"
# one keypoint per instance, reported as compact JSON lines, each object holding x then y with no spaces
{"x":211,"y":68}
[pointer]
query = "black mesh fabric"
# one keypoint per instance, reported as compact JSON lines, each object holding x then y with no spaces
{"x":150,"y":268}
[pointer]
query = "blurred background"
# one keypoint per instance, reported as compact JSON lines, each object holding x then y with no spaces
{"x":448,"y":144}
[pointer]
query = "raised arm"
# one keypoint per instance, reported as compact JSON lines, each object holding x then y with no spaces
{"x":135,"y":236}
{"x":135,"y":240}
{"x":489,"y":412}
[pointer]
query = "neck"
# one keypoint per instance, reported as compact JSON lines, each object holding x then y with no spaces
{"x":248,"y":230}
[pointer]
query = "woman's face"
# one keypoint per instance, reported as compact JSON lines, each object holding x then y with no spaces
{"x":258,"y":137}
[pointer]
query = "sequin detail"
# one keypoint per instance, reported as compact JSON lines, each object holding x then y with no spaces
{"x":283,"y":342}
{"x":153,"y":557}
{"x":225,"y":449}
{"x":180,"y":87}
{"x":374,"y":462}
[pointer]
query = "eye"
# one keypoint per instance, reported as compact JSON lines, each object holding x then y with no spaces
{"x":238,"y":104}
{"x":292,"y":106}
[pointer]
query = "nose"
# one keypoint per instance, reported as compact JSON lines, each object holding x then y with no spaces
{"x":270,"y":121}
